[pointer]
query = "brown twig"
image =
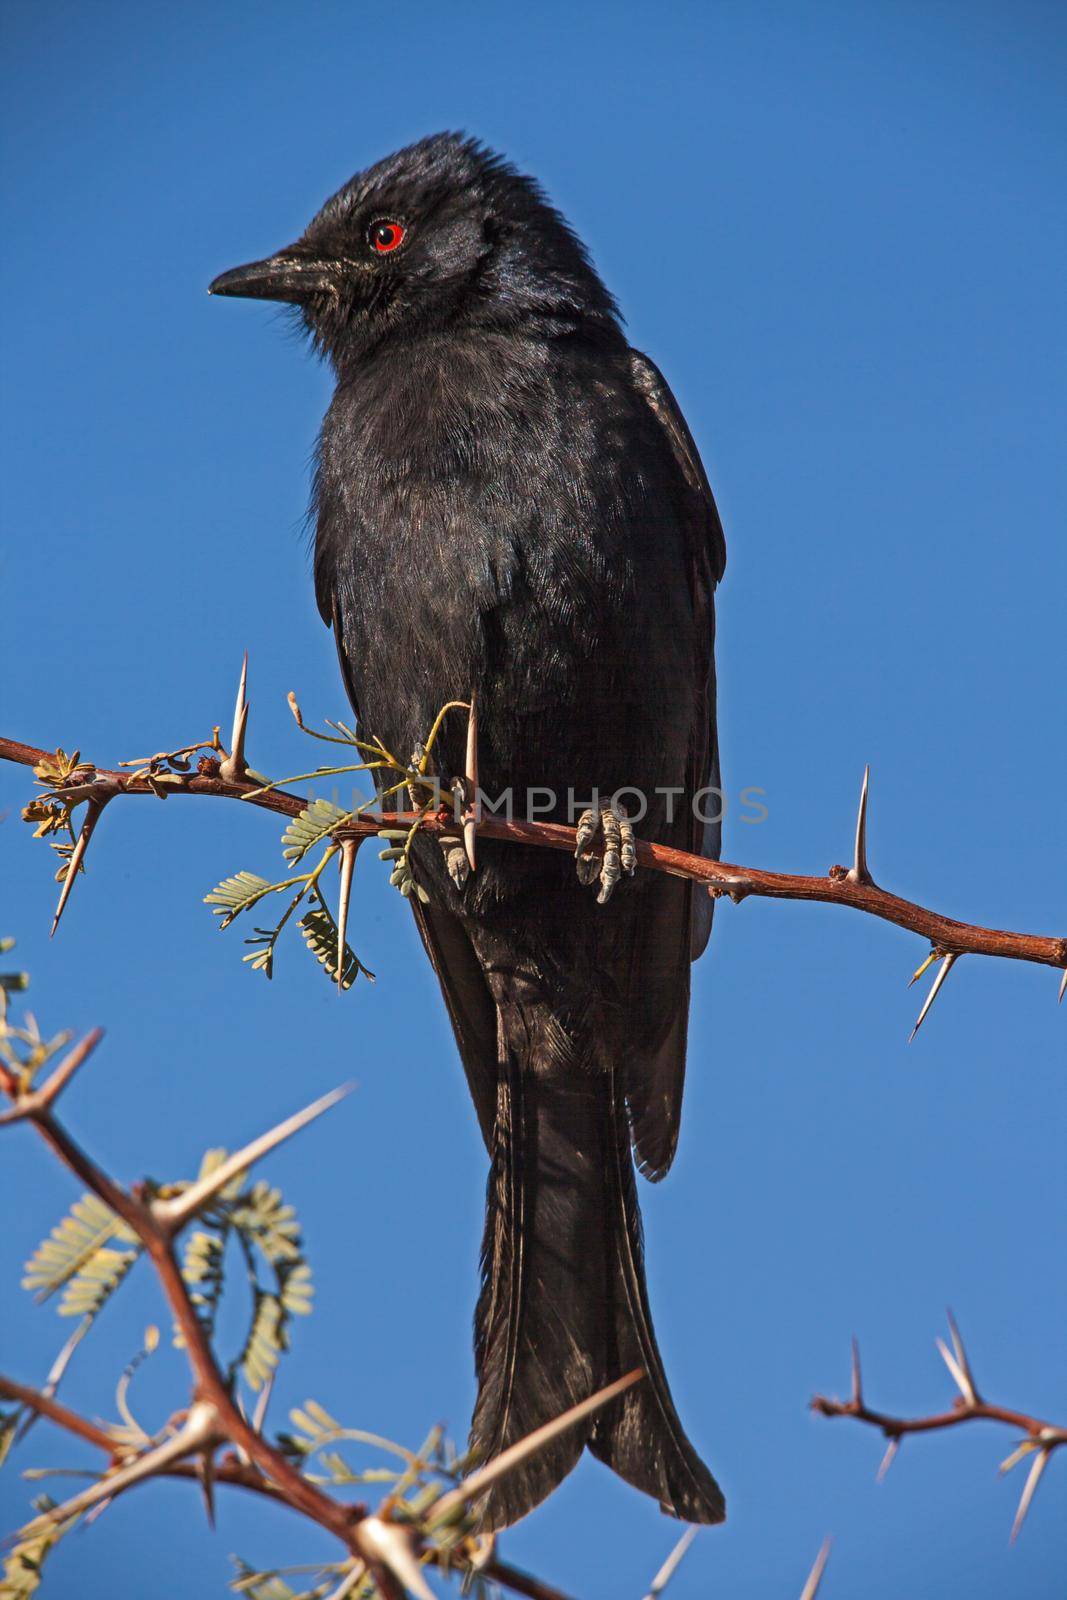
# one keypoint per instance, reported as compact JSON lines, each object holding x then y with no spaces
{"x":214,"y":1416}
{"x":1041,"y":1438}
{"x":840,"y":887}
{"x":61,"y":1415}
{"x":234,"y":1473}
{"x":210,"y":1386}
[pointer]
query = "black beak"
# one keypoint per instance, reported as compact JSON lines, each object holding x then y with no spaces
{"x":286,"y":276}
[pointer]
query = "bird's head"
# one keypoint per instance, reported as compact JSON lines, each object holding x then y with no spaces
{"x":439,"y":232}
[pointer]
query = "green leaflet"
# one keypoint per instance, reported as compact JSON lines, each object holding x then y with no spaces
{"x":22,"y":1568}
{"x":320,"y":935}
{"x":234,"y":895}
{"x":78,"y":1257}
{"x":267,"y":1233}
{"x":314,"y":824}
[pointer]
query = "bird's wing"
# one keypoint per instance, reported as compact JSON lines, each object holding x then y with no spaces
{"x":706,"y":550}
{"x":470,"y":1005}
{"x":677,"y":921}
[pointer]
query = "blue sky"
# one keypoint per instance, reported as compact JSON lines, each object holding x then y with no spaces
{"x":840,"y":230}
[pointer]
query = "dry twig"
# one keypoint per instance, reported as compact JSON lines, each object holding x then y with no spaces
{"x":1041,"y":1438}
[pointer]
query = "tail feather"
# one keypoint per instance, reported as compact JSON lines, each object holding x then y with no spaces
{"x":539,"y":1325}
{"x":640,"y":1436}
{"x":563,"y":1308}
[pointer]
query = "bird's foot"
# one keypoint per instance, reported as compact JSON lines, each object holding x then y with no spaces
{"x":620,"y":851}
{"x":451,"y":847}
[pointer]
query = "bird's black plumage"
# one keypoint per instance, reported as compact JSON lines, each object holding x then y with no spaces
{"x":509,"y":502}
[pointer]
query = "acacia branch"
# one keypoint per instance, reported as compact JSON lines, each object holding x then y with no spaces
{"x":237,"y":1474}
{"x":390,"y":1550}
{"x":210,"y":1388}
{"x":841,"y":886}
{"x":1041,"y":1438}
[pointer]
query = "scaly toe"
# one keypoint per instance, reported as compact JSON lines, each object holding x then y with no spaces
{"x":586,"y":863}
{"x":611,"y":868}
{"x":628,"y":847}
{"x":456,"y":861}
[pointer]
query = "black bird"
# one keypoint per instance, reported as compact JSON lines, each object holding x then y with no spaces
{"x":509,"y":502}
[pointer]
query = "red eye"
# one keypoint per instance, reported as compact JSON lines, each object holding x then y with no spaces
{"x":386,"y":236}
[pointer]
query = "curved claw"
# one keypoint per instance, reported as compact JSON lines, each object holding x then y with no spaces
{"x":620,"y":851}
{"x":611,"y":871}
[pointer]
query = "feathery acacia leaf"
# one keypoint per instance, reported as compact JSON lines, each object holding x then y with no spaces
{"x":234,"y":895}
{"x":22,"y":1567}
{"x":9,"y":1423}
{"x":314,"y":824}
{"x":78,"y":1255}
{"x":320,"y":935}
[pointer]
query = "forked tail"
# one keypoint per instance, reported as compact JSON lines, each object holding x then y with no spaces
{"x":564,"y":1309}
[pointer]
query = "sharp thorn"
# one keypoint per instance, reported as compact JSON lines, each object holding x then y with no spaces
{"x":959,"y":1373}
{"x":1029,"y":1489}
{"x":207,"y":1486}
{"x":1027,"y":1447}
{"x":1063,"y":985}
{"x":92,"y":817}
{"x":858,"y":872}
{"x":672,"y":1563}
{"x":961,"y":1356}
{"x":348,"y":862}
{"x":39,"y":1100}
{"x":389,"y":1545}
{"x":811,"y":1588}
{"x":887,"y":1460}
{"x":483,"y":1477}
{"x":235,"y":766}
{"x":857,"y":1381}
{"x":199,"y":1430}
{"x":942,"y":973}
{"x":471,"y":776}
{"x":173,"y":1214}
{"x":259,"y":1416}
{"x":55,"y":1374}
{"x":927,"y":964}
{"x":348,"y":1582}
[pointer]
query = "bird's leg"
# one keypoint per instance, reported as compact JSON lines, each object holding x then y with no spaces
{"x":620,"y":850}
{"x":451,"y":847}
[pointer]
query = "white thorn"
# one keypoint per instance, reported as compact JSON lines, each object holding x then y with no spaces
{"x":483,"y":1477}
{"x":811,"y":1588}
{"x":961,"y":1356}
{"x":348,"y":862}
{"x":672,"y":1563}
{"x":1063,"y":985}
{"x":199,"y":1430}
{"x":259,"y":1416}
{"x":393,"y":1547}
{"x":859,"y":872}
{"x":857,"y":1380}
{"x":887,"y":1460}
{"x":235,"y":766}
{"x":175,"y":1213}
{"x":942,"y":973}
{"x":348,"y":1582}
{"x":959,"y":1376}
{"x":471,"y":775}
{"x":1029,"y":1489}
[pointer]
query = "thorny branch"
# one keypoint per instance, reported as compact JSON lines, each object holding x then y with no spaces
{"x":378,"y":1546}
{"x":389,"y":1550}
{"x":852,"y":886}
{"x":1042,"y":1438}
